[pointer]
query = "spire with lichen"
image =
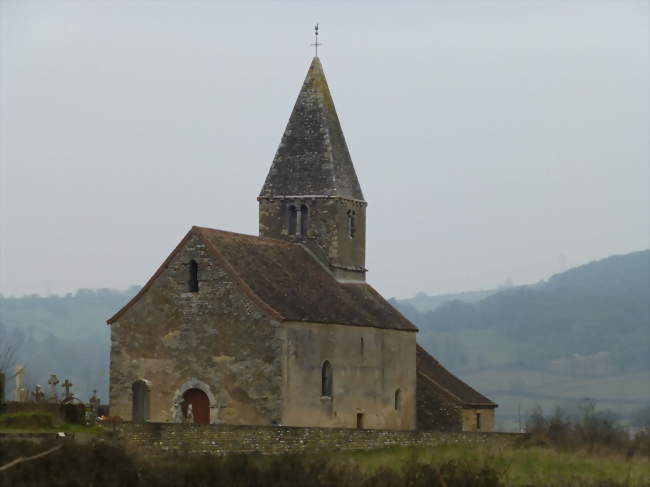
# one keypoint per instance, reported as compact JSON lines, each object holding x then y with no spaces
{"x":312,"y":195}
{"x":313,"y":158}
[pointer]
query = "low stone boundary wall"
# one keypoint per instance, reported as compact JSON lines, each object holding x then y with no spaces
{"x":154,"y":439}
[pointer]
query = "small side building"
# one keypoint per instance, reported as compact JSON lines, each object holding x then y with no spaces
{"x":446,"y":403}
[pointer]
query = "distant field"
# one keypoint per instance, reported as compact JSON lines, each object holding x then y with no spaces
{"x":518,"y":390}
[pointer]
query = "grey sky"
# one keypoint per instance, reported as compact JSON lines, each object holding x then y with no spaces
{"x":492,"y":140}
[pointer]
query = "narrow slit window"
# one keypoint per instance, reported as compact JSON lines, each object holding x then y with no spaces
{"x":352,"y":230}
{"x":361,"y":345}
{"x":398,"y":400}
{"x":293,"y":220}
{"x":326,"y":385}
{"x":194,"y":277}
{"x":478,"y":421}
{"x":304,"y":220}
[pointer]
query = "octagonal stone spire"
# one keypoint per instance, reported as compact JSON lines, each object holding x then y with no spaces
{"x":313,"y":158}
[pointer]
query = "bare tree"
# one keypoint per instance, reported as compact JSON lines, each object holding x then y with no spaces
{"x":9,"y":346}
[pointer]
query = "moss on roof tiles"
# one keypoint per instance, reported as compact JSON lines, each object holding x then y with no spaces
{"x":289,"y":280}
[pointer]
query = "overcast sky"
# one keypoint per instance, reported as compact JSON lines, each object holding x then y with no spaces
{"x":493,"y":140}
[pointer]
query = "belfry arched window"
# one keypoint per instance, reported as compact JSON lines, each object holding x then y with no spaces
{"x":304,"y":219}
{"x":326,"y":381}
{"x":293,"y":220}
{"x":193,"y":283}
{"x":352,"y":229}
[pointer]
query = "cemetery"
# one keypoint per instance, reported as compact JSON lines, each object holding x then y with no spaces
{"x":38,"y":410}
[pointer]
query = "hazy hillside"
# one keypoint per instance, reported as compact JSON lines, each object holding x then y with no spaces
{"x":584,"y":332}
{"x":423,"y":302}
{"x":63,"y":335}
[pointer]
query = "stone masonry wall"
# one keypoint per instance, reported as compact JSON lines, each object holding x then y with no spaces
{"x":216,"y":340}
{"x":156,"y":439}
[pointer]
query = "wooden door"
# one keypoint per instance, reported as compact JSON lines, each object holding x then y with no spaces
{"x":200,"y":405}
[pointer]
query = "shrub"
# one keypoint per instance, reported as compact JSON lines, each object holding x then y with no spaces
{"x":588,"y":429}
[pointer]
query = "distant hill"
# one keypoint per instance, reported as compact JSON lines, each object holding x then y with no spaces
{"x":422,"y":302}
{"x":63,"y":335}
{"x":581,"y":333}
{"x":588,"y":324}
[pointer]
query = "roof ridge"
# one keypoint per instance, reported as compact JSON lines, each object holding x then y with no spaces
{"x":248,"y":235}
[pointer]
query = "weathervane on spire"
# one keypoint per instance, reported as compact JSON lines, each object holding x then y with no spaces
{"x":316,"y":43}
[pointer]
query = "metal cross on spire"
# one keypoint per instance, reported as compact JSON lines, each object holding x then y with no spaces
{"x":316,"y":43}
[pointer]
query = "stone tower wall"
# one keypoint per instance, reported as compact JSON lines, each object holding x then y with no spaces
{"x":327,"y":235}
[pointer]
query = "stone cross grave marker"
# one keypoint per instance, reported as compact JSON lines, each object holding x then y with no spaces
{"x":94,"y":401}
{"x":38,"y":393}
{"x":67,"y":385}
{"x":53,"y":382}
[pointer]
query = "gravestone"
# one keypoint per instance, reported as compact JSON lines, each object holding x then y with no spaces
{"x":67,"y":385}
{"x":38,"y":394}
{"x":54,"y":397}
{"x":2,"y":388}
{"x":94,"y":402}
{"x":74,"y":413}
{"x":20,"y":393}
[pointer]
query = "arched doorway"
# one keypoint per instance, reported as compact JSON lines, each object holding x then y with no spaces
{"x":200,"y":405}
{"x":140,"y":411}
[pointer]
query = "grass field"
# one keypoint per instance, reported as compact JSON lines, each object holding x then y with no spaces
{"x":517,"y":467}
{"x":499,"y":464}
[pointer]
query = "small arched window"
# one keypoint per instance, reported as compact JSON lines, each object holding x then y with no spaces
{"x":352,"y":230}
{"x":293,"y":220}
{"x":304,"y":220}
{"x":398,"y":400}
{"x":193,"y":283}
{"x":326,"y":384}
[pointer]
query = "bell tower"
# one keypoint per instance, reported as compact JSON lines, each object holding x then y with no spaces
{"x":312,"y":195}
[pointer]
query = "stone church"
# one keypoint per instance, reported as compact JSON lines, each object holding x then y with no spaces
{"x":279,"y":328}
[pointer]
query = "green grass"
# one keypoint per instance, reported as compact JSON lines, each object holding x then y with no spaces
{"x":40,"y":422}
{"x":66,"y":428}
{"x":518,"y":467}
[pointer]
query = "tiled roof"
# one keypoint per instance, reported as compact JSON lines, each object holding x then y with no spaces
{"x":284,"y":279}
{"x":450,"y":385}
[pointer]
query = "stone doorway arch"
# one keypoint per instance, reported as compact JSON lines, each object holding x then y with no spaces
{"x":179,"y":405}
